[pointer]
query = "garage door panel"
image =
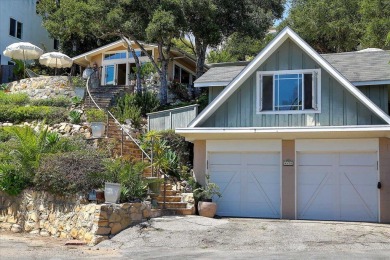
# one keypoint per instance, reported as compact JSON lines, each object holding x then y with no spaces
{"x":314,"y":159}
{"x":225,"y":158}
{"x":262,"y":159}
{"x":348,"y":192}
{"x":358,"y":159}
{"x":251,"y":189}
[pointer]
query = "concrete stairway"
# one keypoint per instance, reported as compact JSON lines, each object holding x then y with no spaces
{"x":103,"y":96}
{"x":173,"y":202}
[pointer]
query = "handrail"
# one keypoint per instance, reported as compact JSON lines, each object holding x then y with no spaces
{"x":116,"y":121}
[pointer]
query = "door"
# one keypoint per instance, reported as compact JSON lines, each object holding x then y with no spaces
{"x":249,"y":183}
{"x":337,"y":186}
{"x":109,"y":75}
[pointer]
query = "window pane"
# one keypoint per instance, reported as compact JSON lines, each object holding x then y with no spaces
{"x":267,"y":93}
{"x":288,"y":92}
{"x":185,"y":77}
{"x":308,"y":82}
{"x":177,"y":74}
{"x":12,"y":26}
{"x":19,"y":30}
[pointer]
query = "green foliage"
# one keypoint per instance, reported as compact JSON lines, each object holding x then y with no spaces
{"x":75,"y":116}
{"x":4,"y":134}
{"x":95,"y":115}
{"x":184,"y":44}
{"x":130,"y":104}
{"x":69,"y":172}
{"x":18,"y":69}
{"x":128,"y":174}
{"x":76,"y":100}
{"x":208,"y":192}
{"x":52,"y":102}
{"x":17,"y":99}
{"x":218,"y":56}
{"x":11,"y":180}
{"x":79,"y":82}
{"x":16,"y":114}
{"x":146,"y":69}
{"x":3,"y":86}
{"x":338,"y":26}
{"x":180,"y":91}
{"x":179,"y":145}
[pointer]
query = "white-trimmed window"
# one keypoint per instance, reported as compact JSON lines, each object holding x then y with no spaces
{"x":15,"y":28}
{"x":289,"y":91}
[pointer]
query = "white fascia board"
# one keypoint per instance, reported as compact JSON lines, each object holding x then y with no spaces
{"x":211,"y":84}
{"x":101,"y":49}
{"x":263,"y":55}
{"x":241,"y":77}
{"x":251,"y":130}
{"x":337,"y":75}
{"x":371,"y":83}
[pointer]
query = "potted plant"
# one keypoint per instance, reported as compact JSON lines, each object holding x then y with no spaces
{"x":204,"y":196}
{"x":79,"y":87}
{"x":97,"y":119}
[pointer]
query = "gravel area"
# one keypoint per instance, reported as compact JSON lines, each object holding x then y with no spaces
{"x":229,"y":238}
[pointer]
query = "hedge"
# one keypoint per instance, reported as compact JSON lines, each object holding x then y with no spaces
{"x":17,"y":114}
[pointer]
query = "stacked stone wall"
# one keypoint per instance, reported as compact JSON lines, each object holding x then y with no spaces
{"x":68,"y":217}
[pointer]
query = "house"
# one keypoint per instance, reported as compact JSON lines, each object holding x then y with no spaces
{"x":19,"y":22}
{"x":297,"y":135}
{"x":117,"y":64}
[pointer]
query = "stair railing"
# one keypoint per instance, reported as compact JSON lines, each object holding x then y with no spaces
{"x":118,"y":123}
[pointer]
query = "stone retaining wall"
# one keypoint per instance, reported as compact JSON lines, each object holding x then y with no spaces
{"x":68,"y":217}
{"x":43,"y":87}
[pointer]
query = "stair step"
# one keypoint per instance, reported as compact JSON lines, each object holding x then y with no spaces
{"x":172,"y":205}
{"x":160,"y":198}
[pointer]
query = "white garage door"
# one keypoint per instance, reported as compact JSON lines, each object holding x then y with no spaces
{"x":337,"y":186}
{"x":249,"y":183}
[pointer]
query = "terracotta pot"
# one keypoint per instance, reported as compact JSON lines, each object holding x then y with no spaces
{"x":207,"y":209}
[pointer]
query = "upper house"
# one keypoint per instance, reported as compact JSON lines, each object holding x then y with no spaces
{"x":297,"y":135}
{"x":117,"y":64}
{"x":19,"y":22}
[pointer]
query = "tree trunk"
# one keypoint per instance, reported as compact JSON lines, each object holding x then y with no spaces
{"x":138,"y":86}
{"x":163,"y":74}
{"x":200,"y":48}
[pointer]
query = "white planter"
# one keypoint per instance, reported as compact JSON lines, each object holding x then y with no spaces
{"x":112,"y":192}
{"x":79,"y":92}
{"x":97,"y":129}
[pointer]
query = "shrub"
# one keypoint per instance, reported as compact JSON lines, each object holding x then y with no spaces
{"x":18,"y":99}
{"x":4,"y":135}
{"x":70,"y":172}
{"x":79,"y":82}
{"x":147,"y":102}
{"x":18,"y":114}
{"x":75,"y":116}
{"x":180,"y":91}
{"x":95,"y":115}
{"x":177,"y":143}
{"x":52,"y":102}
{"x":12,"y":181}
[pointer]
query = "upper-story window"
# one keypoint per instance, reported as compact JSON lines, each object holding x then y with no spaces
{"x":115,"y":56}
{"x":182,"y":76}
{"x":291,"y":91}
{"x":15,"y":28}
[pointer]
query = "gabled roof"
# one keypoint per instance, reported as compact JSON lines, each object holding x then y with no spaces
{"x":365,"y":67}
{"x":84,"y":59}
{"x":263,"y":56}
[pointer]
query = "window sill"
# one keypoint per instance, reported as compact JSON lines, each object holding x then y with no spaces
{"x":287,"y":112}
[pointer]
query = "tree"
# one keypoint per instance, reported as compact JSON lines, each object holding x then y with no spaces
{"x":209,"y":21}
{"x":341,"y":25}
{"x":376,"y":23}
{"x":69,"y":22}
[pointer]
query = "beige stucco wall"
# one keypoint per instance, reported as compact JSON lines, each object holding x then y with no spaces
{"x":200,"y":161}
{"x":288,"y":180}
{"x":384,"y":177}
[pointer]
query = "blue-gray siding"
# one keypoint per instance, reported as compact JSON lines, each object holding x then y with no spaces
{"x":172,"y":118}
{"x":338,"y":106}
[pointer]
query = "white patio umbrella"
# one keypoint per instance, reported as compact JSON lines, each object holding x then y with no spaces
{"x":23,"y":51}
{"x":56,"y":60}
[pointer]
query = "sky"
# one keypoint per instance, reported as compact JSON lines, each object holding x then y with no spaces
{"x":285,"y":13}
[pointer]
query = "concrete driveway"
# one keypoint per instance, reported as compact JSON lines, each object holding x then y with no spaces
{"x":234,"y":238}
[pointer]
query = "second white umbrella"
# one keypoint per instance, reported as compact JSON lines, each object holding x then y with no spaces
{"x":55,"y":60}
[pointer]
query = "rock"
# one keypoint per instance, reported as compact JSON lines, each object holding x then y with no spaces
{"x":97,"y":239}
{"x":115,"y":217}
{"x":88,"y":237}
{"x":103,"y":231}
{"x":44,"y":233}
{"x":16,"y":228}
{"x":74,"y":232}
{"x":115,"y":228}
